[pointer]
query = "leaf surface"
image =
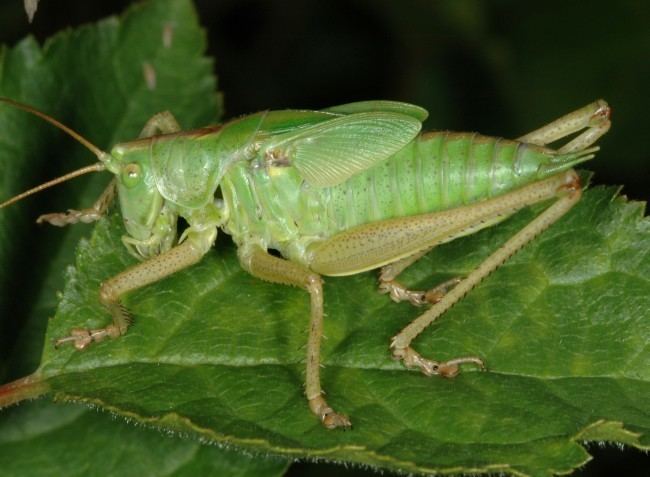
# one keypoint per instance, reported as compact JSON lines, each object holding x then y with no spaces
{"x":217,"y":354}
{"x":45,"y":439}
{"x":563,"y":327}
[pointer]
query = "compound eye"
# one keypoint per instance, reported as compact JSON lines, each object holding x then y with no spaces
{"x":131,"y":174}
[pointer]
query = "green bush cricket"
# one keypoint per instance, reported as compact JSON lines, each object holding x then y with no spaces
{"x":336,"y":192}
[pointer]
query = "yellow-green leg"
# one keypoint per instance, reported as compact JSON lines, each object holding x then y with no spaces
{"x":568,"y":195}
{"x":260,"y":264}
{"x":145,"y":273}
{"x":592,"y":118}
{"x":399,"y":240}
{"x":388,"y":283}
{"x":111,"y":291}
{"x":90,"y":214}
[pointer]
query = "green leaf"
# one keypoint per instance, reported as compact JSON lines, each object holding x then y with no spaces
{"x":74,"y":441}
{"x":563,"y":327}
{"x":217,"y":354}
{"x":71,"y":440}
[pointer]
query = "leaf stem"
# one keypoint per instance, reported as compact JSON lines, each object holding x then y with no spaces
{"x":29,"y":387}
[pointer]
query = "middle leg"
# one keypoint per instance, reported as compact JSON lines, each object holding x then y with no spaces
{"x":260,"y":264}
{"x":388,"y":283}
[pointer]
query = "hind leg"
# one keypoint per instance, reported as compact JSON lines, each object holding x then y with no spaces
{"x":392,"y":241}
{"x":594,"y":118}
{"x":567,"y":195}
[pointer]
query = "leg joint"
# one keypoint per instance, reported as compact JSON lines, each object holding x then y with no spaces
{"x":107,"y":293}
{"x":314,"y":281}
{"x":572,"y":184}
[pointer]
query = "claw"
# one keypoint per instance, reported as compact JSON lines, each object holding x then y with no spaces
{"x":446,"y":369}
{"x":328,"y":417}
{"x":82,"y":337}
{"x":434,"y":295}
{"x":72,"y":216}
{"x":399,"y":292}
{"x":333,"y":420}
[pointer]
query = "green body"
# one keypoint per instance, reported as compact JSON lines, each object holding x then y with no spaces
{"x":437,"y":171}
{"x":288,"y":179}
{"x":336,"y":192}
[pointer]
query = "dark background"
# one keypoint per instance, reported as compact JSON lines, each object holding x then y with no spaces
{"x":500,"y":67}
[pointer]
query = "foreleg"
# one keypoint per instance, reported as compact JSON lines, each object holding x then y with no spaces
{"x":91,"y":214}
{"x":137,"y":276}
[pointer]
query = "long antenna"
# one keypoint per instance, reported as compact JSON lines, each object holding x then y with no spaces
{"x":71,"y":175}
{"x":104,"y":157}
{"x":94,"y":149}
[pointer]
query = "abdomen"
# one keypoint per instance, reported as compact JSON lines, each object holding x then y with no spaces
{"x":437,"y":171}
